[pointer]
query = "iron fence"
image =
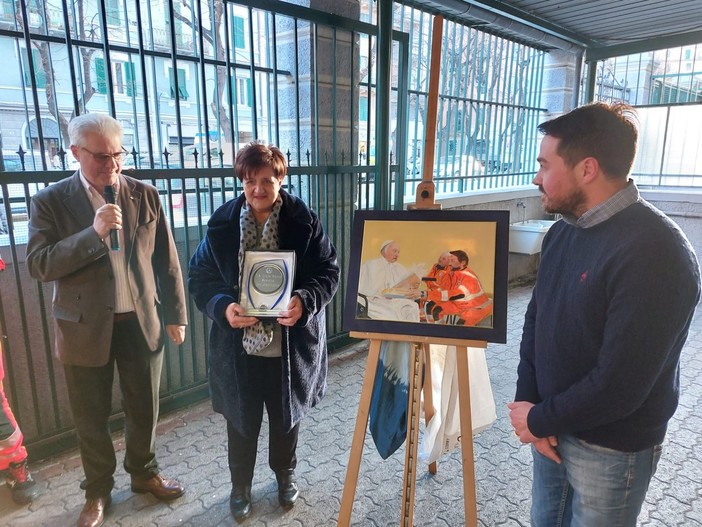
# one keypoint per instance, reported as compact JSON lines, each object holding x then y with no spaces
{"x":193,"y":81}
{"x":189,"y":197}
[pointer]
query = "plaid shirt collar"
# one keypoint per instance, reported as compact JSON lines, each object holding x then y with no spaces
{"x":605,"y":210}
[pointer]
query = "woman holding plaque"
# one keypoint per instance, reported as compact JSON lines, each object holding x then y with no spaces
{"x":265,"y":253}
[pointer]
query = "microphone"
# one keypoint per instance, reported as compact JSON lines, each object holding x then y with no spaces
{"x":109,"y":195}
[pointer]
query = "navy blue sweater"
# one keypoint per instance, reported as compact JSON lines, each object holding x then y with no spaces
{"x":609,"y":314}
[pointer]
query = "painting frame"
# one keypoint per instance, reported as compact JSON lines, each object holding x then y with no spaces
{"x":481,"y":234}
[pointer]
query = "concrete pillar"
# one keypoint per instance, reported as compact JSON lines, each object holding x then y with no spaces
{"x":326,"y":121}
{"x":560,"y":81}
{"x":325,"y":102}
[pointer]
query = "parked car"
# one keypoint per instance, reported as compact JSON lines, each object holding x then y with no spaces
{"x":493,"y":160}
{"x":457,"y":167}
{"x":17,"y":193}
{"x":413,"y":170}
{"x":13,"y":163}
{"x":33,"y":162}
{"x":209,"y":190}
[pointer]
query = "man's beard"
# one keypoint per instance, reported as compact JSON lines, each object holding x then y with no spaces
{"x":571,"y":205}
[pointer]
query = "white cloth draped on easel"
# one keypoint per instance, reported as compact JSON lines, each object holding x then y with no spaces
{"x":443,"y":432}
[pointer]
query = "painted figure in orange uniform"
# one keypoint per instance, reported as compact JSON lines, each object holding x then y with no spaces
{"x":460,"y":293}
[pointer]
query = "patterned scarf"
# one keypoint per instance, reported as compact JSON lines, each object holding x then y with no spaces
{"x":260,"y":335}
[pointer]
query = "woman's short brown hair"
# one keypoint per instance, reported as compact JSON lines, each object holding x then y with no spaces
{"x":257,"y":155}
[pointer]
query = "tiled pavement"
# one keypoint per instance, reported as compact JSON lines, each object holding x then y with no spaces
{"x":191,"y":447}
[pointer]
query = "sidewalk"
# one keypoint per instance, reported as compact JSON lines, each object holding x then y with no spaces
{"x":192,"y":448}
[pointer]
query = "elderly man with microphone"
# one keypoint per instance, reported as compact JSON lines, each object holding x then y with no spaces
{"x":102,"y":238}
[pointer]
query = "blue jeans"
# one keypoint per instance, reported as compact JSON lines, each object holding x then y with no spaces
{"x":592,"y":487}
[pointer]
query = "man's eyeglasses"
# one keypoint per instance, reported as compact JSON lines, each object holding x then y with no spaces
{"x":118,"y":157}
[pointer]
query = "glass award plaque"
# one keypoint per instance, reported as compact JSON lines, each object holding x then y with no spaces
{"x":267,"y":281}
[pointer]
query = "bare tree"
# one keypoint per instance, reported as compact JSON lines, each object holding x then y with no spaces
{"x":87,"y":31}
{"x":220,"y":96}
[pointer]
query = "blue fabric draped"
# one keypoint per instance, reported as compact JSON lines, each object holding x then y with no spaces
{"x":389,"y":401}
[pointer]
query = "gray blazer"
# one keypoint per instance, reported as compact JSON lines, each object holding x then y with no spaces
{"x":64,"y":248}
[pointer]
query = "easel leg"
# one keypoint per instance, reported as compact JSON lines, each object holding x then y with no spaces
{"x":359,"y":435}
{"x":469,"y":494}
{"x":428,"y":395}
{"x":414,"y":411}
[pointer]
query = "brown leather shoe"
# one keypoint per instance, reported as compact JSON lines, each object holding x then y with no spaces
{"x":93,"y":513}
{"x":160,"y":488}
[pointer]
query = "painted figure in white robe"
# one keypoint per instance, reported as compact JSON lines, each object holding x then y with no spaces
{"x":391,"y":289}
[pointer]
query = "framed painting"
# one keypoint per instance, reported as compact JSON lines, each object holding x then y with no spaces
{"x":429,"y":273}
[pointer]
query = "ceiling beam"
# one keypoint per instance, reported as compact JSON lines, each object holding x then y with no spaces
{"x":469,"y":12}
{"x":642,"y":46}
{"x":509,"y":11}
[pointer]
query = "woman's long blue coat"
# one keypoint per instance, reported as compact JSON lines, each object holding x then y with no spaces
{"x":213,"y":281}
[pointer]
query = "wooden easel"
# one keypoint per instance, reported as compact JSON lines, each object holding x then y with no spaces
{"x":426,"y":189}
{"x":421,"y":362}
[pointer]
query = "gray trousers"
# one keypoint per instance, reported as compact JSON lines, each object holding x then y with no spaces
{"x":90,"y":397}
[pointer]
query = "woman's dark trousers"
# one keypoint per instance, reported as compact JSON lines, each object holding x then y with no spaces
{"x":265,"y":376}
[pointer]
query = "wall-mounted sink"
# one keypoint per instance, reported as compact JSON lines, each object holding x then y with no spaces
{"x":525,"y":237}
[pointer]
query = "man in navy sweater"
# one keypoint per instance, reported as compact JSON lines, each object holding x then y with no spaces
{"x":616,"y":289}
